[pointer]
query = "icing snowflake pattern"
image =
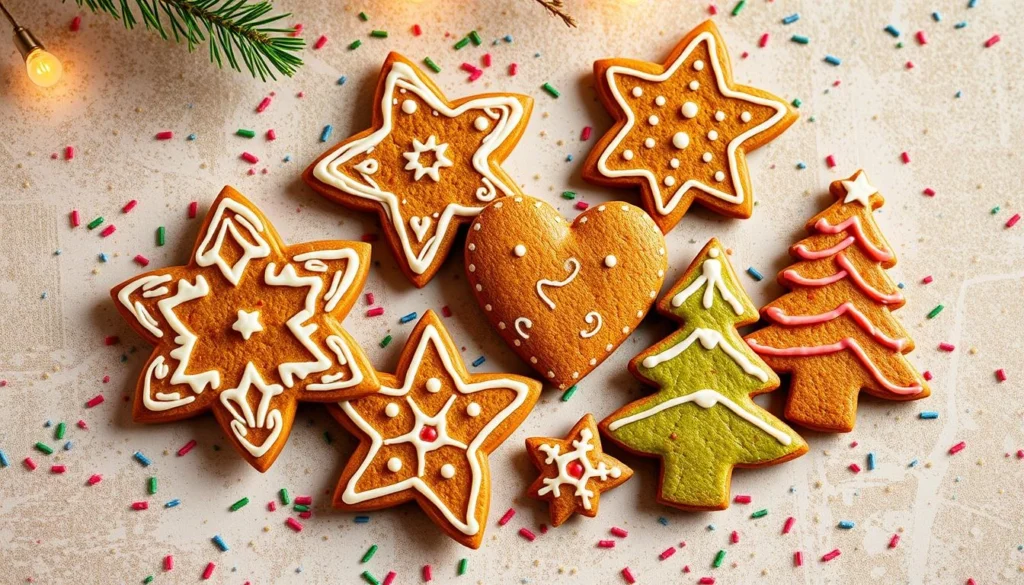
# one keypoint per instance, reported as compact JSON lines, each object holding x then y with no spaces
{"x":580,"y":473}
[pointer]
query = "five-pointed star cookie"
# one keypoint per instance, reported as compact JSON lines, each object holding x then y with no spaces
{"x":574,"y":471}
{"x":683,"y":129}
{"x":426,"y":166}
{"x":248,"y":328}
{"x":427,"y":433}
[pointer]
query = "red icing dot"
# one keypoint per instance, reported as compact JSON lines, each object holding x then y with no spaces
{"x":575,"y":469}
{"x":428,"y":434}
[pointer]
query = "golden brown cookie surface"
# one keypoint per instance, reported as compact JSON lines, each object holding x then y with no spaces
{"x":248,"y":328}
{"x":683,"y":128}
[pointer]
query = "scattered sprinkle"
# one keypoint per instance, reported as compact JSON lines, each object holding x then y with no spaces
{"x":430,"y":63}
{"x":569,"y":393}
{"x":791,"y":18}
{"x":142,"y":459}
{"x":506,"y":517}
{"x":239,"y":504}
{"x":406,"y":318}
{"x":755,"y":273}
{"x":846,"y":524}
{"x":957,"y":448}
{"x":800,"y":39}
{"x":830,"y":555}
{"x":217,"y":540}
{"x":551,"y":90}
{"x":928,"y":415}
{"x":760,"y":513}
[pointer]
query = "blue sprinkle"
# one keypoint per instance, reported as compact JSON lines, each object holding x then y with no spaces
{"x":68,"y":445}
{"x":846,"y":524}
{"x":972,"y":3}
{"x":895,"y":32}
{"x":937,"y":16}
{"x":663,"y":520}
{"x":326,"y":134}
{"x":287,"y":158}
{"x":103,"y":257}
{"x":407,"y":318}
{"x":928,"y":414}
{"x":755,"y":274}
{"x":142,"y":459}
{"x":536,"y":55}
{"x":362,"y":519}
{"x":711,"y":527}
{"x":3,"y":460}
{"x":833,"y":60}
{"x":342,"y":80}
{"x":792,"y":489}
{"x":57,"y":252}
{"x":223,"y":546}
{"x":298,"y":569}
{"x":961,"y":24}
{"x":958,"y":94}
{"x":900,"y":285}
{"x":173,"y":503}
{"x":801,"y":165}
{"x":791,"y":18}
{"x":478,"y":361}
{"x":871,"y":461}
{"x":47,"y":424}
{"x":191,"y":137}
{"x":913,"y":463}
{"x":508,"y":38}
{"x":44,"y":295}
{"x":568,"y":158}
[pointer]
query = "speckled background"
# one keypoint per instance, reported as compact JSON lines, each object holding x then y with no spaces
{"x":958,"y":516}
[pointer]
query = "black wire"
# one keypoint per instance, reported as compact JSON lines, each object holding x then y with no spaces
{"x":8,"y":15}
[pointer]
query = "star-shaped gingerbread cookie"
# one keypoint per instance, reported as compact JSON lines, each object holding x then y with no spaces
{"x":683,"y":129}
{"x":248,"y":328}
{"x":426,"y":166}
{"x":427,"y":433}
{"x":574,"y":471}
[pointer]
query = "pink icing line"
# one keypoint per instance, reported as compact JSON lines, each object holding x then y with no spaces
{"x":806,"y":254}
{"x":847,"y":270}
{"x":776,"y":314}
{"x":846,"y":343}
{"x":876,"y":254}
{"x":794,"y":277}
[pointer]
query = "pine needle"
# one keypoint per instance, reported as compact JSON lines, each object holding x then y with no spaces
{"x":236,"y":31}
{"x":557,"y":8}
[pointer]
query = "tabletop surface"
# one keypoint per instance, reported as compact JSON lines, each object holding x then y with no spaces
{"x":951,"y":104}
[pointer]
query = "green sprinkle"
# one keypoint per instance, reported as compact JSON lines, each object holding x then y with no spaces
{"x":463,"y":565}
{"x":899,"y":45}
{"x":95,"y":223}
{"x":370,"y":578}
{"x":739,"y":7}
{"x":796,"y":102}
{"x":369,"y":554}
{"x":161,"y":236}
{"x":61,"y":429}
{"x":551,"y":90}
{"x":995,"y":210}
{"x":462,"y":43}
{"x":719,"y":558}
{"x":285,"y":498}
{"x":44,"y":448}
{"x":568,"y":393}
{"x":801,"y":39}
{"x":301,"y":508}
{"x":152,"y":485}
{"x":354,"y":45}
{"x":568,"y":194}
{"x":239,"y":504}
{"x":430,"y":63}
{"x":760,"y":513}
{"x":245,"y":132}
{"x":363,"y":16}
{"x":379,"y":34}
{"x":934,"y":312}
{"x":384,"y":342}
{"x":475,"y":37}
{"x":148,"y":579}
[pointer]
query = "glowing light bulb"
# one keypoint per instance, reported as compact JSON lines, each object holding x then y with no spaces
{"x":44,"y":69}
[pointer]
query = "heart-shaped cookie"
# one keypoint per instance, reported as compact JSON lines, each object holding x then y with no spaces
{"x":564,"y":296}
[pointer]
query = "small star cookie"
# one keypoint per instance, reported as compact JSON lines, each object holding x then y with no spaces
{"x":683,"y":129}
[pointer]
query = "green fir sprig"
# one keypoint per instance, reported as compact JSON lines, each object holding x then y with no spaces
{"x":237,"y":31}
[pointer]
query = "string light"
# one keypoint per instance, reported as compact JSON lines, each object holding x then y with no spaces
{"x":43,"y":67}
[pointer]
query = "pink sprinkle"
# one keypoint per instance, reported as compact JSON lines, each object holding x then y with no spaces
{"x":369,"y":298}
{"x":971,"y":582}
{"x":929,"y":191}
{"x":734,"y":538}
{"x":186,"y":448}
{"x":110,"y":340}
{"x":927,"y":280}
{"x":788,"y":525}
{"x":95,"y":479}
{"x":506,"y":517}
{"x":1013,"y":220}
{"x":476,"y":75}
{"x":306,"y":515}
{"x":304,"y":500}
{"x":250,"y":158}
{"x":1020,"y":453}
{"x":582,"y":205}
{"x":263,"y":105}
{"x":527,"y":534}
{"x":957,"y":448}
{"x":82,"y":425}
{"x":910,"y":65}
{"x":447,"y":312}
{"x":164,"y":135}
{"x":836,"y":83}
{"x":428,"y":573}
{"x":106,"y":379}
{"x":76,"y":218}
{"x":69,"y":152}
{"x":585,"y":135}
{"x":741,"y":499}
{"x":905,"y":157}
{"x":272,"y":506}
{"x":830,"y":160}
{"x":208,"y":571}
{"x":76,"y":23}
{"x":946,"y":346}
{"x":468,"y":68}
{"x":855,"y":468}
{"x":798,"y":559}
{"x":764,"y":41}
{"x":375,"y":312}
{"x":294,"y":524}
{"x":628,"y":575}
{"x":921,"y":38}
{"x":1001,"y":375}
{"x":829,"y":556}
{"x":513,"y":68}
{"x":271,"y":134}
{"x":991,"y":41}
{"x":58,"y":468}
{"x":168,"y":563}
{"x":417,"y":30}
{"x":297,"y":30}
{"x":140,"y":505}
{"x":927,"y":375}
{"x":108,"y":230}
{"x":94,"y":401}
{"x":141,"y":260}
{"x":606,"y":544}
{"x":30,"y":464}
{"x":854,"y":444}
{"x":390,"y":578}
{"x":686,"y":568}
{"x":620,"y":532}
{"x":320,"y":42}
{"x":193,"y":208}
{"x":895,"y":540}
{"x":706,"y":581}
{"x":666,"y":553}
{"x":486,"y":59}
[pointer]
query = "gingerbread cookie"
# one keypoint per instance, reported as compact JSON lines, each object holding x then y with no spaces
{"x":702,"y":421}
{"x":248,"y":328}
{"x":564,"y":296}
{"x":574,"y":471}
{"x":835,"y":331}
{"x":427,"y":433}
{"x":426,"y":166}
{"x":682,"y":129}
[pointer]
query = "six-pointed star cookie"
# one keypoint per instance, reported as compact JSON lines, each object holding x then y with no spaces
{"x":426,"y":166}
{"x":683,"y":129}
{"x":574,"y":471}
{"x":427,"y":433}
{"x":248,"y":328}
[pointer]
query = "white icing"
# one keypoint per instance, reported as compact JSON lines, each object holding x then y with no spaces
{"x":674,"y":163}
{"x":707,"y":157}
{"x":690,"y":110}
{"x":520,"y":323}
{"x":653,"y":120}
{"x":719,"y":176}
{"x":227,"y":218}
{"x":571,"y":264}
{"x":720,"y":116}
{"x":637,"y":92}
{"x":610,"y":261}
{"x":391,"y":410}
{"x":447,"y":471}
{"x":160,"y":401}
{"x":419,"y":226}
{"x":712,"y":135}
{"x":409,"y":106}
{"x":184,"y":338}
{"x":745,"y":117}
{"x":441,"y":160}
{"x":481,"y":123}
{"x":591,"y":318}
{"x":247,"y":323}
{"x":859,"y":190}
{"x":680,"y":140}
{"x":147,"y":283}
{"x":582,"y":446}
{"x":649,"y":142}
{"x":694,"y":85}
{"x":627,"y":154}
{"x":709,"y":339}
{"x":473,"y":409}
{"x":698,"y":65}
{"x":519,"y":250}
{"x":433,"y":385}
{"x":711,"y":275}
{"x":235,"y":400}
{"x":669,"y":181}
{"x":394,"y":465}
{"x":660,"y":100}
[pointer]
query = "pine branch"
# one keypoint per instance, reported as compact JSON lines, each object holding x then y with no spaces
{"x":557,"y":8}
{"x":235,"y":30}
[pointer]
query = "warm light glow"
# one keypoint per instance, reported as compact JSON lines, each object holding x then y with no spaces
{"x":44,"y":69}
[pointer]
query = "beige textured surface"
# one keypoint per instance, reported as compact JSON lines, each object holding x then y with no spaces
{"x":960,"y":516}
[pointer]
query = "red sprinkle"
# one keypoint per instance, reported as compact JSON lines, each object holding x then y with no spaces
{"x":734,"y":538}
{"x":94,"y":479}
{"x":30,"y":464}
{"x":58,"y":468}
{"x":369,"y":237}
{"x":186,"y":448}
{"x":76,"y":23}
{"x":927,"y":375}
{"x":706,"y":581}
{"x":971,"y":582}
{"x":764,"y":41}
{"x":905,"y":157}
{"x":957,"y":448}
{"x":620,"y":532}
{"x":741,"y":499}
{"x":513,"y":68}
{"x":582,"y":205}
{"x":921,"y":38}
{"x":306,"y":515}
{"x":82,"y":425}
{"x":208,"y":571}
{"x":1001,"y":375}
{"x":927,"y":280}
{"x":855,"y":468}
{"x":140,"y":505}
{"x":830,"y":160}
{"x":297,"y":30}
{"x":991,"y":41}
{"x":271,"y":134}
{"x":369,"y":298}
{"x":946,"y":346}
{"x":141,"y":260}
{"x":628,"y":575}
{"x":468,"y":68}
{"x":193,"y":208}
{"x":543,"y":528}
{"x":168,"y":563}
{"x":69,"y":152}
{"x":854,"y":444}
{"x":375,"y":312}
{"x":606,"y":544}
{"x":527,"y":534}
{"x":320,"y":42}
{"x":304,"y":500}
{"x":1013,"y":220}
{"x":76,"y":218}
{"x":446,"y":311}
{"x":1020,"y":453}
{"x":110,"y":340}
{"x":263,"y":105}
{"x":585,"y":135}
{"x":798,"y":559}
{"x":486,"y":59}
{"x":788,"y":525}
{"x":272,"y":506}
{"x":250,"y":158}
{"x":686,"y":568}
{"x":94,"y":401}
{"x":894,"y":540}
{"x":164,"y":135}
{"x":476,"y":74}
{"x":831,"y":555}
{"x":506,"y":517}
{"x":417,"y":30}
{"x":390,"y":578}
{"x":428,"y":573}
{"x":712,"y":9}
{"x":108,"y":230}
{"x":910,"y":65}
{"x":667,"y":553}
{"x":294,"y":524}
{"x":929,"y":191}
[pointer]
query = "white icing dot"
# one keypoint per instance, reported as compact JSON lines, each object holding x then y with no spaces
{"x":713,"y":252}
{"x":394,"y":465}
{"x":615,"y":473}
{"x":391,"y":410}
{"x":610,"y":346}
{"x":601,"y":208}
{"x":472,"y":247}
{"x":639,"y":314}
{"x":690,"y":110}
{"x":409,"y":106}
{"x":694,"y":85}
{"x":433,"y":385}
{"x":653,"y":120}
{"x":481,"y":123}
{"x":473,"y":409}
{"x":669,"y":181}
{"x":551,"y":374}
{"x":593,"y":361}
{"x":476,"y":226}
{"x":698,"y":65}
{"x":745,"y":116}
{"x":674,"y":163}
{"x":649,"y":142}
{"x":488,"y":307}
{"x":447,"y":471}
{"x":712,"y":135}
{"x":610,"y":261}
{"x":472,"y":267}
{"x":706,"y":157}
{"x":660,"y":100}
{"x":519,"y":250}
{"x":627,"y":154}
{"x":637,"y":92}
{"x":681,"y":140}
{"x":719,"y":176}
{"x":719,"y":115}
{"x":479,"y":287}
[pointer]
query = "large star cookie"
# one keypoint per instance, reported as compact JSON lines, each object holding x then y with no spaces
{"x":683,"y":129}
{"x":574,"y":471}
{"x":427,"y":433}
{"x":248,"y":328}
{"x":426,"y":166}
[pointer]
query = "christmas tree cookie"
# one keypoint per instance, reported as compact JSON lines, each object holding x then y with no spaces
{"x":702,"y":421}
{"x":835,"y":330}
